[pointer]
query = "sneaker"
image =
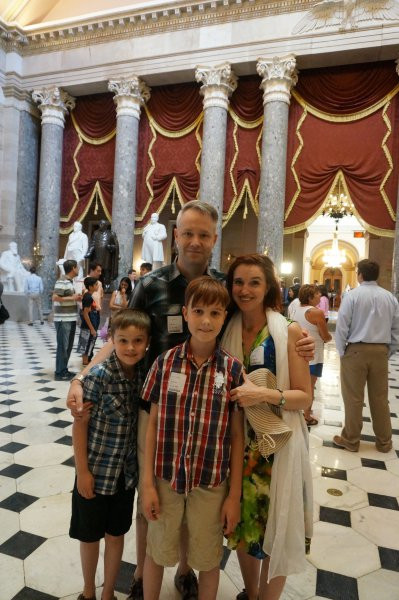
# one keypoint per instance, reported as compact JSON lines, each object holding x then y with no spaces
{"x":31,"y":324}
{"x":63,"y":377}
{"x":187,"y":585}
{"x":340,"y":443}
{"x":136,"y":590}
{"x":71,"y":374}
{"x":242,"y":595}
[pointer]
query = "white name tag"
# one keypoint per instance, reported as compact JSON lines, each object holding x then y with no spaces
{"x":175,"y":324}
{"x":176,"y":382}
{"x":257,"y":356}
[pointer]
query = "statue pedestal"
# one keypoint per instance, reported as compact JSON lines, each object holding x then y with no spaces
{"x":17,"y":305}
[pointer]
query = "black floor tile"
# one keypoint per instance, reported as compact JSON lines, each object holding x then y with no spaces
{"x":15,"y":471}
{"x":11,"y":428}
{"x":43,"y":381}
{"x":373,"y":464}
{"x":61,"y":424}
{"x":49,"y":399}
{"x":334,"y":515}
{"x":30,"y":594}
{"x":66,"y":440}
{"x":383,"y":501}
{"x":395,"y":431}
{"x":125,"y":577}
{"x":9,"y":402}
{"x":225,"y":557}
{"x":8,"y":392}
{"x":46,"y":389}
{"x":328,"y":444}
{"x":366,"y":420}
{"x":22,"y":544}
{"x":367,"y":438}
{"x":55,"y":410}
{"x":333,"y":473}
{"x":69,"y":462}
{"x":389,"y":558}
{"x":335,"y":586}
{"x":10,"y":414}
{"x":13,"y":447}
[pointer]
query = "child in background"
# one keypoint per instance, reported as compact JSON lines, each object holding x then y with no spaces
{"x":194,"y":442}
{"x":104,"y":445}
{"x":90,"y":321}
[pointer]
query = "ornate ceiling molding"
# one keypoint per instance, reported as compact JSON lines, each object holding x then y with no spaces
{"x":176,"y":16}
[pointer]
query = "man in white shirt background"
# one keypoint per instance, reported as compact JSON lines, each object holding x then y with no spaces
{"x":33,"y":288}
{"x":367,"y":334}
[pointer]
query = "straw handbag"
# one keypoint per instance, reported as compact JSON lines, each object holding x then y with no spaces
{"x":270,"y":430}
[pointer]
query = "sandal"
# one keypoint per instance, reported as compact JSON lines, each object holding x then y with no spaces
{"x":311,"y":421}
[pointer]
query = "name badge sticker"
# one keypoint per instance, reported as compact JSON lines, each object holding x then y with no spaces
{"x":257,"y":356}
{"x":176,"y":382}
{"x":175,"y":324}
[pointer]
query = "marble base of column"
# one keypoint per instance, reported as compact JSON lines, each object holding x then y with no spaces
{"x":272,"y":182}
{"x":212,"y":169}
{"x":124,"y":195}
{"x":48,"y":221}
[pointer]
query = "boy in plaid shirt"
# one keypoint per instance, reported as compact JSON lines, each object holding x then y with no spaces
{"x":194,"y":442}
{"x":104,"y":443}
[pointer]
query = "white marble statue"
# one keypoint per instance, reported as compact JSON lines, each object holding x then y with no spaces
{"x":12,"y":271}
{"x":153,"y":235}
{"x":76,"y":247}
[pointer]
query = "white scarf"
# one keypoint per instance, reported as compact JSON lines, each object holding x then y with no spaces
{"x":290,"y":516}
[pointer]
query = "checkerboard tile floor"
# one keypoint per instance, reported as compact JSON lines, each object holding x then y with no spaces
{"x":355,"y":549}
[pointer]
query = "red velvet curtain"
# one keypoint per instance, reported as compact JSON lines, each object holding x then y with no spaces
{"x":88,"y":166}
{"x":365,"y":150}
{"x":243,"y":143}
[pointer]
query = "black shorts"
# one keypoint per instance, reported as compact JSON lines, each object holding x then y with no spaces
{"x":92,"y":519}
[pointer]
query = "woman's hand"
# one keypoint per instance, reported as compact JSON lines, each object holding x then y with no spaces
{"x":249,"y":394}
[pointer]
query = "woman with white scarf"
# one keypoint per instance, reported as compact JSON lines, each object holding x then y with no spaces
{"x":276,"y":510}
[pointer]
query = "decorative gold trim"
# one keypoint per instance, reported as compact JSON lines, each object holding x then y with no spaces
{"x":334,"y":118}
{"x":389,"y":161}
{"x":246,"y":189}
{"x":173,"y":134}
{"x":197,"y":159}
{"x":295,"y":158}
{"x":367,"y":226}
{"x":90,"y":140}
{"x":96,"y":190}
{"x":242,"y":123}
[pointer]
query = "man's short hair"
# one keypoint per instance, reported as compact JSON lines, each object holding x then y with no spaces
{"x":69,"y":265}
{"x":128,"y":317}
{"x":89,"y":282}
{"x":306,"y":292}
{"x":32,"y":269}
{"x":368,"y":269}
{"x":130,"y":271}
{"x":202,"y":207}
{"x":147,"y":266}
{"x":296,"y":281}
{"x":206,"y":290}
{"x":94,"y":264}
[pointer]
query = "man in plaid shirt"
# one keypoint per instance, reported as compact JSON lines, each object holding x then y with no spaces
{"x":195,"y":439}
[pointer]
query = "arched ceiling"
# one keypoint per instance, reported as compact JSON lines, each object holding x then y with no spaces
{"x":35,"y":12}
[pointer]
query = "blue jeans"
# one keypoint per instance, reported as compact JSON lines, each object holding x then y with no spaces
{"x":65,"y":337}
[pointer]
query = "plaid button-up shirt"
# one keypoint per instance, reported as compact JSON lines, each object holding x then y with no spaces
{"x":112,"y":429}
{"x":161,"y":295}
{"x":193,"y":437}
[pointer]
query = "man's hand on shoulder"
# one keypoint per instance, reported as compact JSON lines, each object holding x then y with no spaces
{"x":305,"y":346}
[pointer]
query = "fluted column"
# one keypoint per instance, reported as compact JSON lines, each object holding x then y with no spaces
{"x":54,"y":104}
{"x":278,"y":76}
{"x":395,"y":265}
{"x":130,"y":94}
{"x":218,"y":83}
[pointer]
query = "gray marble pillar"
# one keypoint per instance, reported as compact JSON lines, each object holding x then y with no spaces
{"x":395,"y":262}
{"x":53,"y":104}
{"x":218,"y":84}
{"x":28,"y":160}
{"x":130,"y":94}
{"x":278,"y":76}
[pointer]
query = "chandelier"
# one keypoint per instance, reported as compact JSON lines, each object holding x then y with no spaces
{"x":337,"y":205}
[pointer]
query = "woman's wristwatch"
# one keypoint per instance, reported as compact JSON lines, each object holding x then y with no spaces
{"x":282,"y":399}
{"x":79,"y":378}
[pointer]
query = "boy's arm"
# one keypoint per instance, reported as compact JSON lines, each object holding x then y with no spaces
{"x":150,"y":499}
{"x":84,"y":478}
{"x":85,"y":314}
{"x":231,"y":513}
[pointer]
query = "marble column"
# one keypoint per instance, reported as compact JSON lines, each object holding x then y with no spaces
{"x":54,"y":104}
{"x":395,"y":262}
{"x":130,"y":94}
{"x":218,"y":83}
{"x":278,"y":76}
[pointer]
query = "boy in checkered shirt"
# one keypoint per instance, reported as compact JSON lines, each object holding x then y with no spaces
{"x":194,"y":443}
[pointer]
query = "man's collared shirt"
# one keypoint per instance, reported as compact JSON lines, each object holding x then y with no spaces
{"x":161,"y":295}
{"x":67,"y":310}
{"x":112,"y":429}
{"x":33,"y":284}
{"x":368,"y":314}
{"x":193,"y":436}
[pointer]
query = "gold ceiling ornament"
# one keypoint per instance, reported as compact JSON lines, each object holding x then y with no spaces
{"x":338,"y":204}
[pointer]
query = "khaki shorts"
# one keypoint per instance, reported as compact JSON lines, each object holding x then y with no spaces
{"x":201,"y":510}
{"x":141,"y":433}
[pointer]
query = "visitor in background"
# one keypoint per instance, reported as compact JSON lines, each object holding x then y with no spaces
{"x":132,"y":274}
{"x":145,"y":268}
{"x":312,"y":318}
{"x":120,"y":297}
{"x":33,"y":288}
{"x":90,"y":320}
{"x":324,"y":303}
